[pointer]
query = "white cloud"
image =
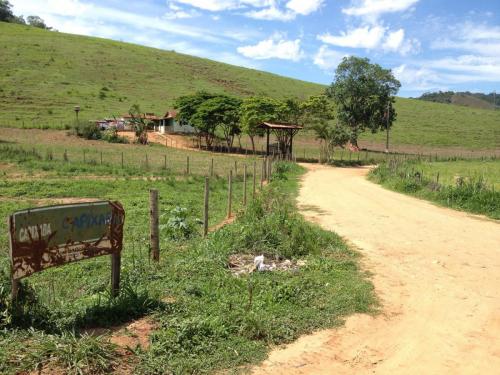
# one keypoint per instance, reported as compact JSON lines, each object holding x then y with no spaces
{"x":304,"y":7}
{"x":92,"y":19}
{"x":373,"y":37}
{"x":275,"y":47}
{"x":258,"y":9}
{"x":362,"y":37}
{"x":176,"y":12}
{"x":480,"y":39}
{"x":271,"y":14}
{"x":418,"y":78}
{"x":373,"y":9}
{"x":328,"y":59}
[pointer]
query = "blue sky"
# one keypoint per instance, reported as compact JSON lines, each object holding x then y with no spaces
{"x":429,"y":44}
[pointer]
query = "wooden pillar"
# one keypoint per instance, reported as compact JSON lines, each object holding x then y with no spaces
{"x":245,"y":185}
{"x":115,"y":274}
{"x":205,"y":208}
{"x":267,"y":142}
{"x":229,"y":194}
{"x":154,"y":225}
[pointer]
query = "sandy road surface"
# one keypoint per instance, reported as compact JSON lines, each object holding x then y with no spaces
{"x":437,"y":272}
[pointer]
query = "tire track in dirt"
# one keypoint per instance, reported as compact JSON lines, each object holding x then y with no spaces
{"x":435,"y":270}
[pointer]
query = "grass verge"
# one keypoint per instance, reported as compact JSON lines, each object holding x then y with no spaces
{"x":465,"y":185}
{"x":206,"y":318}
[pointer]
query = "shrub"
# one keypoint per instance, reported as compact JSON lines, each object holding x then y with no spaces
{"x":111,"y":135}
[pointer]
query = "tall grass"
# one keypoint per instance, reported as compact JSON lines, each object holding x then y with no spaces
{"x":473,"y":193}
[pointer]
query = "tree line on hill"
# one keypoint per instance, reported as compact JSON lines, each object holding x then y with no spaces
{"x":359,"y":99}
{"x":6,"y":15}
{"x":446,"y":97}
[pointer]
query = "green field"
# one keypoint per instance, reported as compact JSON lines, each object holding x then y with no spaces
{"x":44,"y":74}
{"x":204,"y":319}
{"x":469,"y":185}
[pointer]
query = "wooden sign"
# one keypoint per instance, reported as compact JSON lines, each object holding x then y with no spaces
{"x":50,"y":236}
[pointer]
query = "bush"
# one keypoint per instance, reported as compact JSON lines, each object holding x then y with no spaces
{"x":111,"y":135}
{"x":88,"y":130}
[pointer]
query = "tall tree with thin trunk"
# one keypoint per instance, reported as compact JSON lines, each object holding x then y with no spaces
{"x":362,"y":91}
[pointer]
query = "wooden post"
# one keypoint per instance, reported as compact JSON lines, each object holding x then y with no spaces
{"x":115,"y":274}
{"x":187,"y":165}
{"x":84,"y":156}
{"x":122,"y":159}
{"x":437,"y":178}
{"x":212,"y":168}
{"x":254,"y":178}
{"x":101,"y":157}
{"x":14,"y":283}
{"x":245,"y":185}
{"x":147,"y":161}
{"x":154,"y":225}
{"x":262,"y":177}
{"x":205,"y":208}
{"x":264,"y":169}
{"x":229,"y":194}
{"x":235,"y":168}
{"x":165,"y":162}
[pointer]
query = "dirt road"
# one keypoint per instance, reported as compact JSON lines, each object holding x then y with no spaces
{"x":436,"y":271}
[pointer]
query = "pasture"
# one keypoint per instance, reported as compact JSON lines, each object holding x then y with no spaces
{"x":199,"y":316}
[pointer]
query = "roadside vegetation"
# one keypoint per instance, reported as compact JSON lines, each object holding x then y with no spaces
{"x":468,"y":185}
{"x":204,"y":318}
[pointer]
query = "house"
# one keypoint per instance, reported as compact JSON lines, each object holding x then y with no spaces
{"x":165,"y":124}
{"x":168,"y":124}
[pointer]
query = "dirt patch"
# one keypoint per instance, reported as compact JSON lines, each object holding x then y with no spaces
{"x":435,"y":270}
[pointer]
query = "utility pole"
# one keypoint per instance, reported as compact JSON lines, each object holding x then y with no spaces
{"x":387,"y":127}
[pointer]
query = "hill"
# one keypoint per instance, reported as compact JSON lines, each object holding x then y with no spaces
{"x":47,"y":73}
{"x":468,"y":99}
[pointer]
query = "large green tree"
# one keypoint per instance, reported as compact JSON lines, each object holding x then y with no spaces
{"x":256,"y":110}
{"x":362,"y":92}
{"x":6,"y":14}
{"x":219,"y":112}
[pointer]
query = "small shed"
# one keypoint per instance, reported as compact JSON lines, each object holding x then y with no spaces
{"x":284,"y":133}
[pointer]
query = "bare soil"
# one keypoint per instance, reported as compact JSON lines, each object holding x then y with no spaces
{"x":435,"y":270}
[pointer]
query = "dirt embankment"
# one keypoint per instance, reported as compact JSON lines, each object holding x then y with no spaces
{"x":436,"y":271}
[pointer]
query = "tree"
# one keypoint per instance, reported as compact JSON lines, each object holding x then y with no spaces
{"x":362,"y":92}
{"x":217,"y":112}
{"x":36,"y":21}
{"x":256,"y":110}
{"x":140,"y":126}
{"x":6,"y":14}
{"x":291,"y":111}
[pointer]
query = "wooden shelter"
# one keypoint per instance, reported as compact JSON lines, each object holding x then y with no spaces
{"x":284,"y":133}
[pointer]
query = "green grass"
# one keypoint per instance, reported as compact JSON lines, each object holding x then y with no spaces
{"x":206,"y":319}
{"x":469,"y":185}
{"x":45,"y":74}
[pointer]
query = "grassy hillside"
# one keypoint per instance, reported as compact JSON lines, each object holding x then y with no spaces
{"x":44,"y":74}
{"x":442,"y":125}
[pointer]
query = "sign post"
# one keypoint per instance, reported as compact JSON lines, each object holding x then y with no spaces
{"x":45,"y":237}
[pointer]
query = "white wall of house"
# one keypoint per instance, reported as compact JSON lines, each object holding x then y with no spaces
{"x":173,"y":126}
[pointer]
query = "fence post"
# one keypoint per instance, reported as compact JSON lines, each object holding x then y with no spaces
{"x":254,"y":178}
{"x":262,"y":174}
{"x":65,"y":155}
{"x":115,"y":274}
{"x":101,"y":157}
{"x":205,"y":208}
{"x":212,"y":168}
{"x":245,"y":185}
{"x":84,"y":160}
{"x":122,"y":159}
{"x":187,"y":164}
{"x":229,"y":194}
{"x":235,"y":168}
{"x":165,"y":162}
{"x":147,"y":161}
{"x":154,"y":225}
